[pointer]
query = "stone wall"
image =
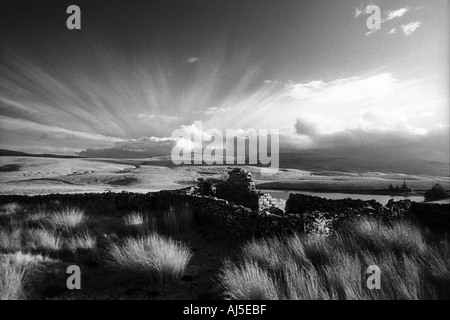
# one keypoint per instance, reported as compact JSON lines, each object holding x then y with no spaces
{"x":240,"y":221}
{"x":266,"y":203}
{"x":321,"y":215}
{"x":436,"y":216}
{"x":304,"y":214}
{"x":298,"y":203}
{"x":239,"y":188}
{"x":237,"y":206}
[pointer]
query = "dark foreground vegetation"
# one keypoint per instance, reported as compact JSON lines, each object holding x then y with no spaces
{"x":168,"y":254}
{"x":413,"y":263}
{"x":37,"y":244}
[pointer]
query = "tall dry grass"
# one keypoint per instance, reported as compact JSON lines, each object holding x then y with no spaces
{"x":10,"y":240}
{"x":400,"y":237}
{"x":19,"y":273}
{"x":324,"y":268}
{"x":83,"y":241}
{"x":249,"y":281}
{"x":156,"y":258}
{"x":13,"y":279}
{"x":44,"y":240}
{"x":67,"y":219}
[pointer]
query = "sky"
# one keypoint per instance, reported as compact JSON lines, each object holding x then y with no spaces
{"x":138,"y":70}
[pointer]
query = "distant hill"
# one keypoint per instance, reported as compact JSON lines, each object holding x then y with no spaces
{"x":117,"y":153}
{"x":11,"y":153}
{"x":356,"y":163}
{"x":317,"y":160}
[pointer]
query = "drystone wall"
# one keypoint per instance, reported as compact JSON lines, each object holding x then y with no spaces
{"x":238,"y":207}
{"x":239,"y":188}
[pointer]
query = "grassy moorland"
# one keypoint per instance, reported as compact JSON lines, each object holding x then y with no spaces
{"x":171,"y":255}
{"x":37,"y":244}
{"x":31,"y":175}
{"x":414,"y":265}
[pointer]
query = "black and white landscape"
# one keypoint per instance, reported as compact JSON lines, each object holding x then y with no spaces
{"x":94,"y":98}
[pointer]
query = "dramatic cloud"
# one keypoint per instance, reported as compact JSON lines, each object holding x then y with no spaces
{"x":125,"y":87}
{"x":151,"y":146}
{"x":46,"y":138}
{"x":379,"y":132}
{"x":343,"y":89}
{"x":330,"y":114}
{"x":144,"y":143}
{"x":305,"y":127}
{"x":411,"y":27}
{"x":374,"y":120}
{"x":379,"y":112}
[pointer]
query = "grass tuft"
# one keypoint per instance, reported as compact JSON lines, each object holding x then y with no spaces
{"x":44,"y":240}
{"x":67,"y":219}
{"x":17,"y":274}
{"x":249,"y":281}
{"x":136,"y":223}
{"x":155,"y":257}
{"x":10,"y":241}
{"x":13,"y":278}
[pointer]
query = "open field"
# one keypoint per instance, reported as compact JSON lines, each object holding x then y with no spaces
{"x":32,"y":175}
